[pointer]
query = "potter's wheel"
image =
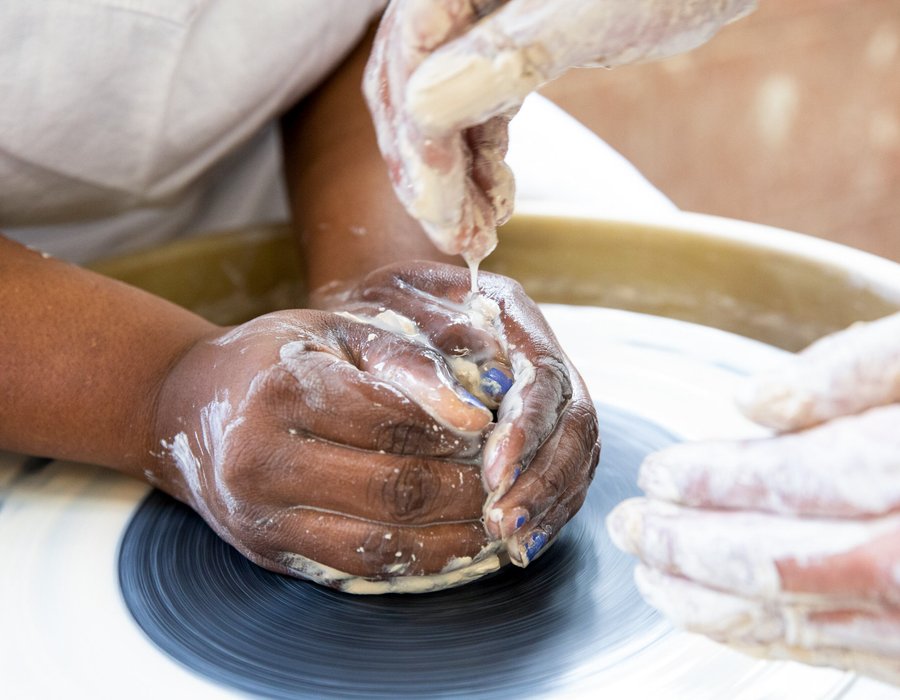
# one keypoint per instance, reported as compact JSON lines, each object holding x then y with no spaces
{"x":109,"y":589}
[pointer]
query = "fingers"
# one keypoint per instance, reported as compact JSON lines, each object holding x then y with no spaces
{"x":488,"y":143}
{"x":431,"y":173}
{"x":528,"y":509}
{"x":426,"y":24}
{"x":438,"y":301}
{"x":740,"y":552}
{"x":319,"y":394}
{"x":851,"y":638}
{"x":492,"y":67}
{"x":564,"y":463}
{"x":527,"y":416}
{"x":537,"y":534}
{"x":441,"y":308}
{"x":422,"y":374}
{"x":848,"y":467}
{"x":297,"y":470}
{"x":361,"y":548}
{"x":868,"y":572}
{"x":839,"y":375}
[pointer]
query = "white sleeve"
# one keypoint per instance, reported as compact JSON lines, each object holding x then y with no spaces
{"x":110,"y":105}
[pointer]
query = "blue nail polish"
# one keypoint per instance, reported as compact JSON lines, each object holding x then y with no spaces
{"x":496,"y":383}
{"x":520,"y":521}
{"x":535,"y":544}
{"x":516,"y":474}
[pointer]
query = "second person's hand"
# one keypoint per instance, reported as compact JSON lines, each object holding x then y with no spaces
{"x":445,"y":78}
{"x":787,"y":547}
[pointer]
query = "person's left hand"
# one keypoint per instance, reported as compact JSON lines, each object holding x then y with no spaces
{"x":541,"y":456}
{"x":789,"y":546}
{"x":445,"y":78}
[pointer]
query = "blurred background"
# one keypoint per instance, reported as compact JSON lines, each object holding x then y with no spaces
{"x":790,"y":117}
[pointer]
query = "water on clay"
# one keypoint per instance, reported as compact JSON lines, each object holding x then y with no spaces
{"x":514,"y":633}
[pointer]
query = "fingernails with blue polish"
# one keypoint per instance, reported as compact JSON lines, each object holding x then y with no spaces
{"x":495,"y":383}
{"x":520,"y":521}
{"x":536,"y":542}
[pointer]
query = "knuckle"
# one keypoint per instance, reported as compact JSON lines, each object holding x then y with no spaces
{"x":400,"y":437}
{"x":411,"y":492}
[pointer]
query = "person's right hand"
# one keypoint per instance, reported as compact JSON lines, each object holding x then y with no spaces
{"x":282,"y":435}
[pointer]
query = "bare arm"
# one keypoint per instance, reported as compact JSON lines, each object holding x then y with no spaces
{"x":81,"y":360}
{"x":347,"y":218}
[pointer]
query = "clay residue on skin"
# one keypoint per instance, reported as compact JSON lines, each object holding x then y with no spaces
{"x":791,"y":629}
{"x":829,"y":378}
{"x":713,"y":548}
{"x":483,"y":314}
{"x":217,"y":420}
{"x":844,"y":468}
{"x":457,"y":572}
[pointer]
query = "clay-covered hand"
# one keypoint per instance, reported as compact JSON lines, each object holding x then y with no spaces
{"x":788,"y":546}
{"x":540,"y":458}
{"x":445,"y":77}
{"x":327,"y":448}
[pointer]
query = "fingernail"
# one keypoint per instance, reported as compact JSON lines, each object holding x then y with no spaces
{"x":512,"y":521}
{"x":511,"y":478}
{"x":534,"y":544}
{"x":495,"y":382}
{"x":657,"y":476}
{"x":625,"y":525}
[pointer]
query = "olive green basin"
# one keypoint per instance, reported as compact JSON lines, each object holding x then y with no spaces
{"x":779,"y":287}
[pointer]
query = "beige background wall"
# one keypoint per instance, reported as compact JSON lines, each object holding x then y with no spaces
{"x":790,"y":117}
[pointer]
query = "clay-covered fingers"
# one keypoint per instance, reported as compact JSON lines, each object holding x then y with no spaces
{"x":531,"y":516}
{"x":433,"y":304}
{"x":432,"y":173}
{"x":551,"y":486}
{"x":494,"y":65}
{"x":839,"y":375}
{"x":846,"y":636}
{"x":488,"y":144}
{"x":365,"y":387}
{"x":324,"y":545}
{"x":845,"y":468}
{"x":437,"y":303}
{"x":756,"y":555}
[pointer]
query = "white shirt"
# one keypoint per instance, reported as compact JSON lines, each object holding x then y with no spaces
{"x":126,"y":123}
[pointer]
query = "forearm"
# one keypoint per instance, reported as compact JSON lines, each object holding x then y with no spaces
{"x":81,"y":360}
{"x":347,"y":219}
